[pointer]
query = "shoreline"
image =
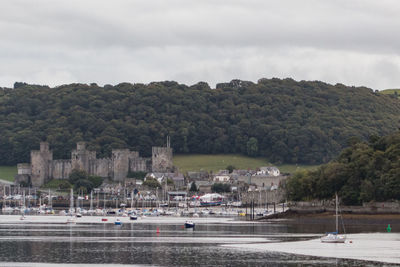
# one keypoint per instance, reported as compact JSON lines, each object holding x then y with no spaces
{"x":291,"y":214}
{"x":375,"y":247}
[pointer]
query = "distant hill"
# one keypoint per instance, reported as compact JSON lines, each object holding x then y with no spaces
{"x":285,"y":121}
{"x":391,"y":92}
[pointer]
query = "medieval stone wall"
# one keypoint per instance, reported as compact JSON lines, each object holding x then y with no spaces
{"x":80,"y":157}
{"x":40,"y":164}
{"x":140,"y":164}
{"x":262,"y":181}
{"x":162,"y":159}
{"x":120,"y":159}
{"x":43,"y":168}
{"x":60,"y":169}
{"x":24,"y":168}
{"x":101,"y":167}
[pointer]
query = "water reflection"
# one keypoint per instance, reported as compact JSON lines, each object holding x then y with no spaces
{"x":135,"y":243}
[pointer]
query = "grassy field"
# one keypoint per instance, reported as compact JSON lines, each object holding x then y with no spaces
{"x":53,"y":184}
{"x":219,"y":162}
{"x":8,"y":172}
{"x":390,"y":92}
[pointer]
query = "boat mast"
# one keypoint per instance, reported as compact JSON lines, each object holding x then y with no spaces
{"x":71,"y":204}
{"x":337,"y":216}
{"x":91,"y":200}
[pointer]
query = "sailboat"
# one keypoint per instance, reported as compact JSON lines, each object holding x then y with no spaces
{"x":334,"y":237}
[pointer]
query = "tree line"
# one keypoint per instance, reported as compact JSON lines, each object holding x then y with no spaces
{"x":363,"y":172}
{"x":281,"y":119}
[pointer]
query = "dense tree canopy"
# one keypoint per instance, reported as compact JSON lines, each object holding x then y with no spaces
{"x":82,"y":181}
{"x":283,"y":120}
{"x":221,"y":188}
{"x":363,"y":172}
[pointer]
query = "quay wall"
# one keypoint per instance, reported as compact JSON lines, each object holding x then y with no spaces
{"x":329,"y":206}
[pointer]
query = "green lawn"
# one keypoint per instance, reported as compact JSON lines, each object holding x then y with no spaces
{"x":8,"y":172}
{"x":219,"y":162}
{"x":54,"y":184}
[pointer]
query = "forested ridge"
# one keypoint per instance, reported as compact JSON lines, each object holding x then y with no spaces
{"x":283,"y":120}
{"x":363,"y":172}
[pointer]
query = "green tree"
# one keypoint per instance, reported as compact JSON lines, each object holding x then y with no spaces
{"x":96,"y":181}
{"x":137,"y":175}
{"x":193,"y":187}
{"x":252,"y":147}
{"x":83,"y":185}
{"x":220,"y":188}
{"x":152,"y":183}
{"x":63,"y":185}
{"x":230,"y":168}
{"x":77,"y":175}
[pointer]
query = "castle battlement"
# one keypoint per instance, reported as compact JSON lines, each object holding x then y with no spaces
{"x":43,"y":168}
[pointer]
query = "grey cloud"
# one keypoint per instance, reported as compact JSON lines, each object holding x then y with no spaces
{"x":56,"y":42}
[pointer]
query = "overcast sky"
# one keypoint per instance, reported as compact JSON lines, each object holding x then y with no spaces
{"x":56,"y":42}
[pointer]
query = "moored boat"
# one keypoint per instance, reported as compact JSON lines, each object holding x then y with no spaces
{"x":189,"y":224}
{"x":211,"y":200}
{"x":334,"y":237}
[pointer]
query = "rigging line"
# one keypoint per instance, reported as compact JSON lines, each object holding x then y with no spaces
{"x":341,"y":219}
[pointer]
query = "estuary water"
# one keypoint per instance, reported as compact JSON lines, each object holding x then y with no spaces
{"x":160,"y":241}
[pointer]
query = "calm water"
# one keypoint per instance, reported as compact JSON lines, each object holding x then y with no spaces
{"x":140,"y":244}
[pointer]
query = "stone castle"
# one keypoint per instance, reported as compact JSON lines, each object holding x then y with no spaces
{"x":43,"y":168}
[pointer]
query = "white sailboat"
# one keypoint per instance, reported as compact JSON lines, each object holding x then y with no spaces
{"x":334,"y":237}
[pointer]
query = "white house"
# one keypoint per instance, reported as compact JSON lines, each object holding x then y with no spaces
{"x":221,"y":178}
{"x":269,"y":171}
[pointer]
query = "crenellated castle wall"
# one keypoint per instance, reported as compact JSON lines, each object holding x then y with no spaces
{"x":40,"y":164}
{"x":140,"y":164}
{"x":101,"y":167}
{"x":162,"y":159}
{"x":43,"y":168}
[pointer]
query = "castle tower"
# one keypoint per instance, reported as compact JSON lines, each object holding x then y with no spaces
{"x":120,"y":161}
{"x":80,"y":157}
{"x":40,"y":164}
{"x":162,"y":158}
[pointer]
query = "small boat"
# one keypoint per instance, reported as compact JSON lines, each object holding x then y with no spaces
{"x":118,"y":222}
{"x":133,"y":217}
{"x":104,"y":219}
{"x":189,"y":224}
{"x":334,"y":237}
{"x":78,"y":215}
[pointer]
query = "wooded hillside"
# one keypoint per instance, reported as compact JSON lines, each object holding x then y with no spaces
{"x":363,"y":172}
{"x":283,"y":120}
